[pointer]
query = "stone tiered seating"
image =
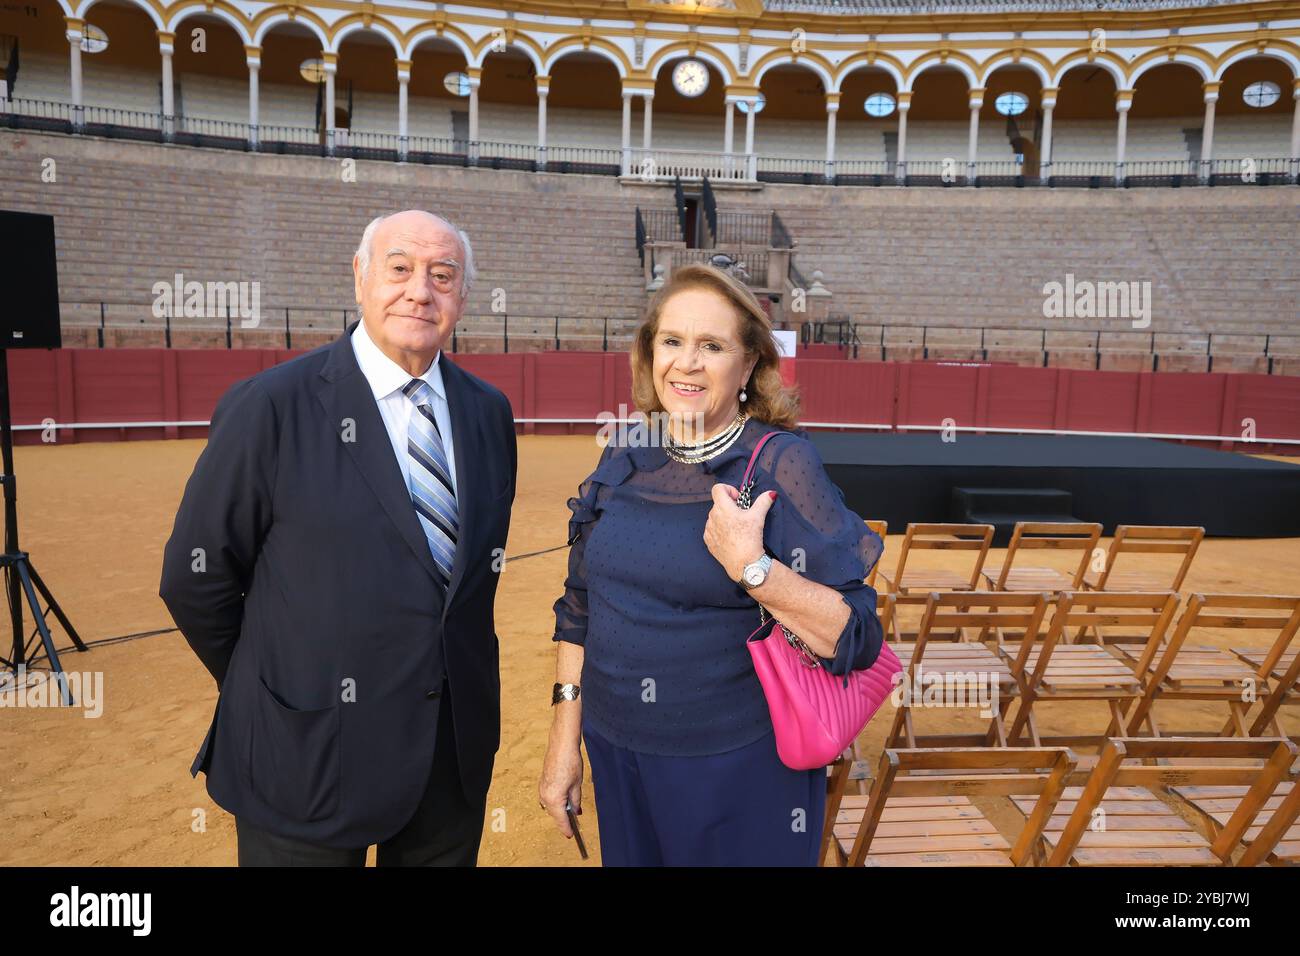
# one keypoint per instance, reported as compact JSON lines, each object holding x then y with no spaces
{"x":1266,"y":136}
{"x":128,"y":216}
{"x":1147,"y":139}
{"x":1218,"y":260}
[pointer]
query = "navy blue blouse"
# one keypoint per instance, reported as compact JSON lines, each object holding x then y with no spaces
{"x":665,"y":669}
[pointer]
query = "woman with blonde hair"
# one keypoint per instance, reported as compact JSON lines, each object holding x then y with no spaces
{"x":666,"y":574}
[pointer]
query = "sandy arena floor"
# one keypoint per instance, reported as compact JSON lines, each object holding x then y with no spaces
{"x":117,"y":791}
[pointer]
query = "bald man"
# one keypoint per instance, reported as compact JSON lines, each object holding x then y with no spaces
{"x":334,"y":564}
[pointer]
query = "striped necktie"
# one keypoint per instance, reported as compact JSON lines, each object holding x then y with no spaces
{"x":431,"y":489}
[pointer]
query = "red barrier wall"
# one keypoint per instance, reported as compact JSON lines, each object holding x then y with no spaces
{"x":170,"y":385}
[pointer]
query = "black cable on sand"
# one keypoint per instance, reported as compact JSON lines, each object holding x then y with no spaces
{"x":122,"y":638}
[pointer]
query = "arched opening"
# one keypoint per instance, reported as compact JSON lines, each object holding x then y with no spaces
{"x":291,"y":89}
{"x":37,"y":37}
{"x":126,"y":77}
{"x":210,"y":76}
{"x":1011,"y":122}
{"x":584,"y":113}
{"x":365,"y":93}
{"x":1084,"y":123}
{"x":938,"y":125}
{"x":790,"y":130}
{"x":866,"y":129}
{"x":1165,"y":124}
{"x":121,"y":71}
{"x":1247,"y":124}
{"x":507,"y":108}
{"x":438,"y":108}
{"x":690,"y":98}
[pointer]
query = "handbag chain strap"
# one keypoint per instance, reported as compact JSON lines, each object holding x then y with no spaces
{"x":806,"y":654}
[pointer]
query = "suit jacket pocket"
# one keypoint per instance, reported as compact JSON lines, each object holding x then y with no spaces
{"x":294,"y":758}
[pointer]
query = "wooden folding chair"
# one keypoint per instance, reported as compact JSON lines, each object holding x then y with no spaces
{"x":881,"y":528}
{"x":1173,"y":671}
{"x":1281,"y":663}
{"x":919,"y":811}
{"x":1115,"y":819}
{"x":963,"y":669}
{"x":913,"y":585}
{"x":1219,"y":804}
{"x":1044,"y":535}
{"x":1149,"y":539}
{"x":939,"y":537}
{"x":1053,"y":670}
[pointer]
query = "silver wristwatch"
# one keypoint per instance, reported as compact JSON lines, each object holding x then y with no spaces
{"x":564,"y":692}
{"x":755,"y":573}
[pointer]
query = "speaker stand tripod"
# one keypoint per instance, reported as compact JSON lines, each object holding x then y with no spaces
{"x":21,"y":580}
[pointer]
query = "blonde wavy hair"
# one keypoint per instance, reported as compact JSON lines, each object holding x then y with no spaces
{"x":769,"y":399}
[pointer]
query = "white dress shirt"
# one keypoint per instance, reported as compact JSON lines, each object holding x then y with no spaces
{"x":386,"y":379}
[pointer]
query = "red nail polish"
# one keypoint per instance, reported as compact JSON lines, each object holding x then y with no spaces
{"x":773,"y":494}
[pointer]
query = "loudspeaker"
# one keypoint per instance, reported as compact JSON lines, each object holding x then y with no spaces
{"x":29,"y":282}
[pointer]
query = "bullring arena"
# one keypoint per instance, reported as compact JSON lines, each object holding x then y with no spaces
{"x":899,"y":184}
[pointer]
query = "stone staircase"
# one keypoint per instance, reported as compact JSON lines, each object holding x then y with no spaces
{"x":976,"y":262}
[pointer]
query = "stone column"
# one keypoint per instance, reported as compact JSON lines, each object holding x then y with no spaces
{"x":729,"y":135}
{"x":1045,"y":147}
{"x":168,"y":122}
{"x":904,"y":104}
{"x":1123,"y":101}
{"x":1295,"y":130}
{"x":750,"y":158}
{"x":74,"y":50}
{"x":403,"y":108}
{"x":832,"y":109}
{"x":1207,"y":132}
{"x":253,"y":55}
{"x":329,"y":66}
{"x":475,"y":75}
{"x":648,"y":96}
{"x":972,"y":148}
{"x":627,"y":131}
{"x":543,"y":87}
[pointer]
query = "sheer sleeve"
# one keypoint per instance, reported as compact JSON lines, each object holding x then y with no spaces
{"x":571,"y":607}
{"x":812,"y":531}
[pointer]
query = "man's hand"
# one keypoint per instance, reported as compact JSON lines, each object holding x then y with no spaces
{"x":734,"y":535}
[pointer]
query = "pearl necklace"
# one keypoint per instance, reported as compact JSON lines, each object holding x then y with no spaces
{"x":694,"y":454}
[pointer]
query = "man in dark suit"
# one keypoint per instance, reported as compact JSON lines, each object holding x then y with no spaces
{"x":334,"y":565}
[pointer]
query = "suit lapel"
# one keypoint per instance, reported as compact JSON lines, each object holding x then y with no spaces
{"x":345,"y":394}
{"x":467,"y":446}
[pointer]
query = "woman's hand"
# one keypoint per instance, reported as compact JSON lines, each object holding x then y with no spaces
{"x":734,"y":535}
{"x":561,"y":780}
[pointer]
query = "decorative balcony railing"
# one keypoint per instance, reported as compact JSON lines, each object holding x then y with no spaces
{"x":658,"y":165}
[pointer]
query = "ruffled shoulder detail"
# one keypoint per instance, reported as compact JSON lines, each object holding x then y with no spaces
{"x":614,"y":468}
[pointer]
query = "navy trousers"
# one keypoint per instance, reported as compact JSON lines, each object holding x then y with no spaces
{"x":739,"y":808}
{"x":444,"y":831}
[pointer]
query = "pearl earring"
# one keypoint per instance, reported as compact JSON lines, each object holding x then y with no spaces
{"x":743,"y":396}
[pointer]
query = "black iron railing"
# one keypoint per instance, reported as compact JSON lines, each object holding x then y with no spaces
{"x":110,"y":122}
{"x":274,"y":326}
{"x":710,"y":214}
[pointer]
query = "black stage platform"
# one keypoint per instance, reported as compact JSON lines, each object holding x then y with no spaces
{"x":903,"y":478}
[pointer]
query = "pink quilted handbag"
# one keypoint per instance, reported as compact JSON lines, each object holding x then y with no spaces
{"x":816,"y":715}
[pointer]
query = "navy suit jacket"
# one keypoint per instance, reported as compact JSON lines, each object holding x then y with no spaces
{"x":299,"y":574}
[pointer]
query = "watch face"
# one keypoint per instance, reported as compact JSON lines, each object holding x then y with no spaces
{"x":754,"y":576}
{"x":691,"y":77}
